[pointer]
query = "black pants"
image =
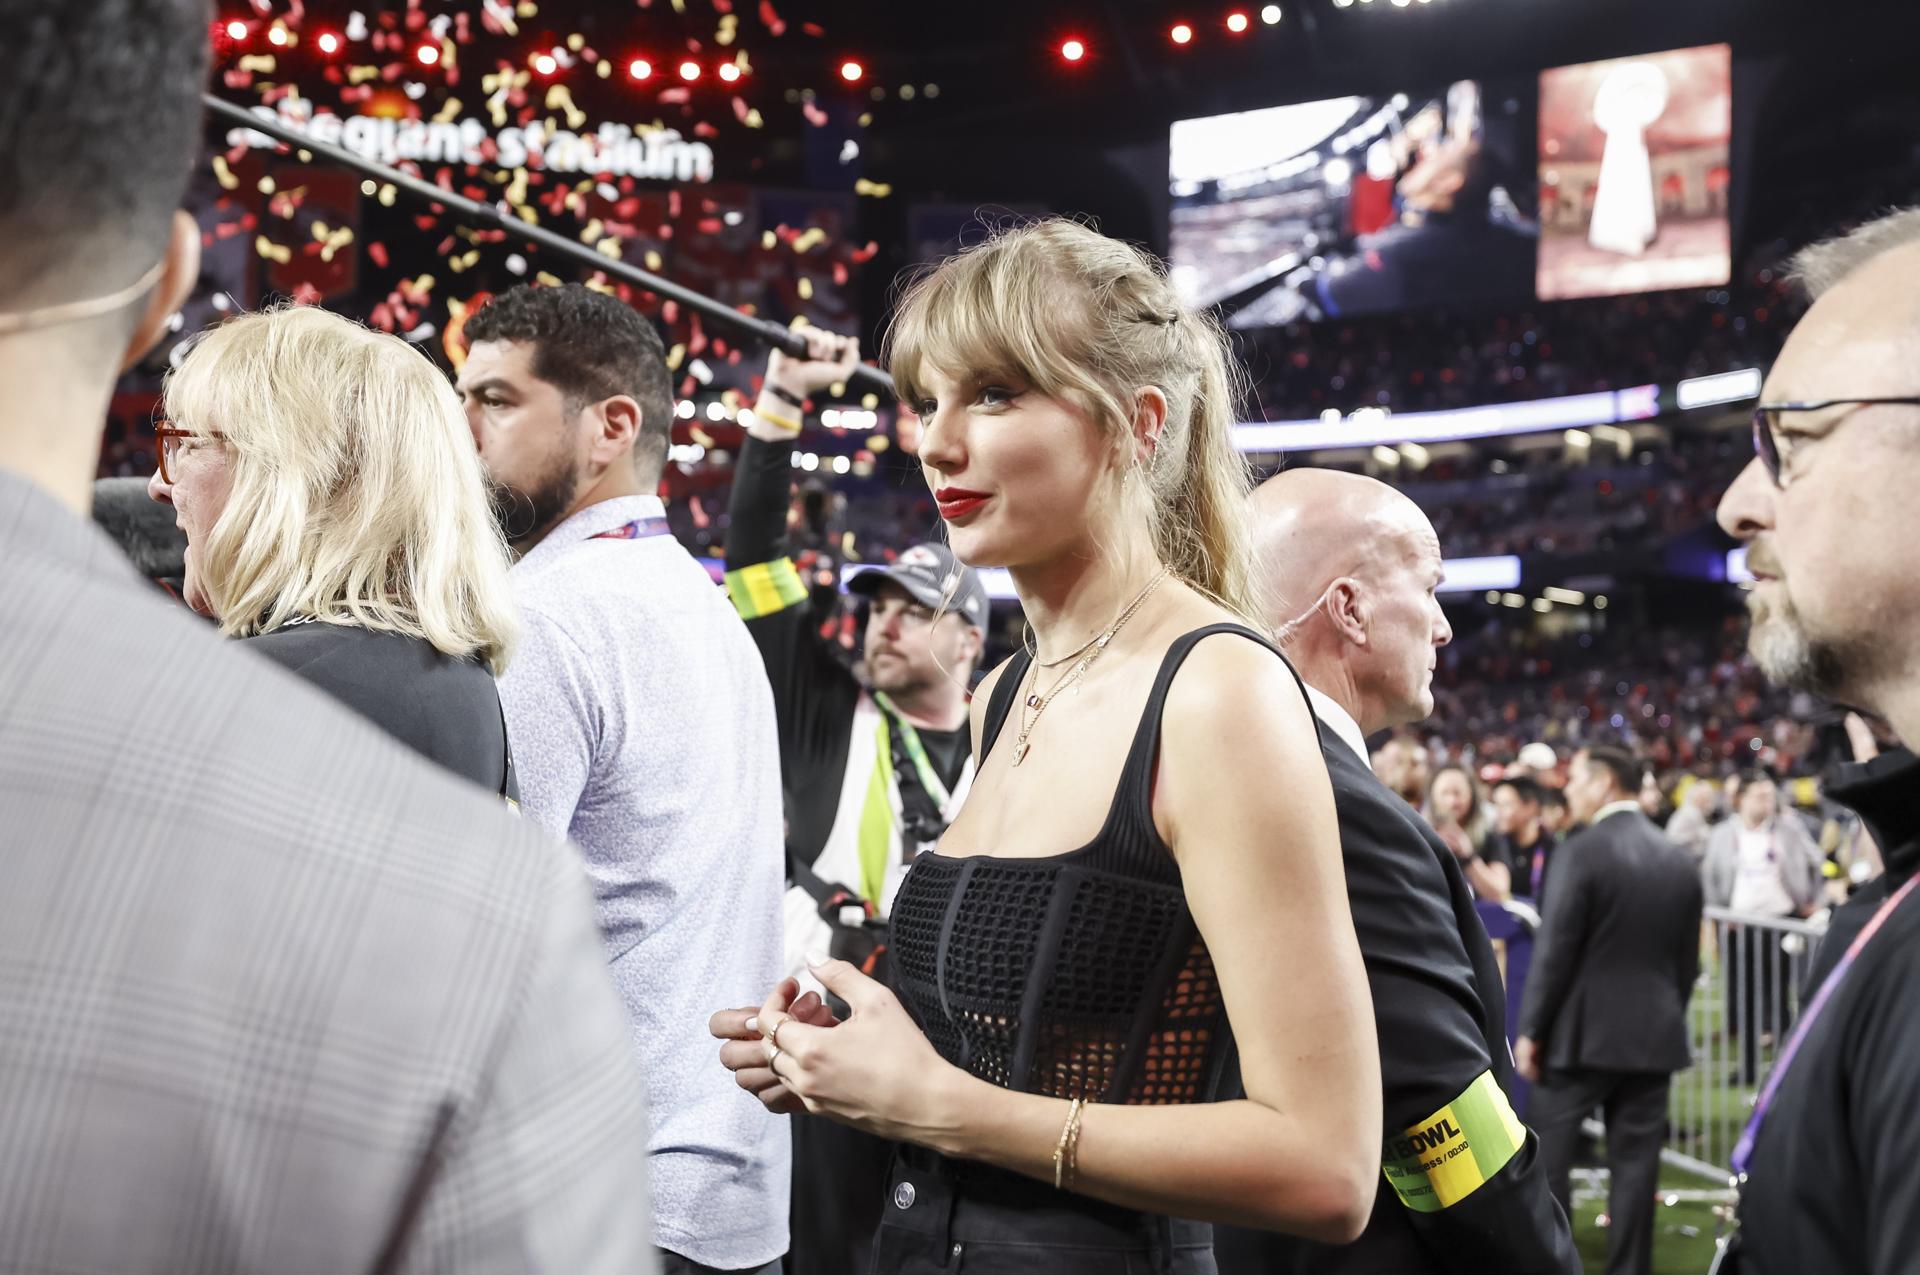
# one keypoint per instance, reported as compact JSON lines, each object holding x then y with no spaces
{"x":947,"y":1217}
{"x":839,"y":1183}
{"x":1635,"y":1106}
{"x":1758,"y":987}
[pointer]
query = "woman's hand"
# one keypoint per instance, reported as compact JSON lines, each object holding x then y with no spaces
{"x":830,"y":360}
{"x":745,"y":1056}
{"x":876,"y":1071}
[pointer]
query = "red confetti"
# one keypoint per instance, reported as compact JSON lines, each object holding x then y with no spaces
{"x":709,"y":225}
{"x":670,"y":312}
{"x":863,"y":255}
{"x":815,"y":116}
{"x":378,"y":252}
{"x":771,"y":18}
{"x":426,"y":221}
{"x":703,"y":129}
{"x":676,"y":96}
{"x":673,"y":203}
{"x":840,"y":274}
{"x":813,"y":29}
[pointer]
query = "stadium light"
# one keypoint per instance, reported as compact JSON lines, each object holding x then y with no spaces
{"x":545,"y":63}
{"x":1236,"y":22}
{"x":277,"y":36}
{"x":1181,"y":33}
{"x":236,"y":30}
{"x":689,"y":71}
{"x":729,"y":71}
{"x":427,"y":54}
{"x":851,"y":71}
{"x":327,"y":42}
{"x":1270,"y":15}
{"x":1073,"y":50}
{"x":640,"y":68}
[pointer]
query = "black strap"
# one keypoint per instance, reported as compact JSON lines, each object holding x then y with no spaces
{"x":1000,"y":703}
{"x":922,"y":821}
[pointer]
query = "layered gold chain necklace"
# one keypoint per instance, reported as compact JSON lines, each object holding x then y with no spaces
{"x":1033,"y":703}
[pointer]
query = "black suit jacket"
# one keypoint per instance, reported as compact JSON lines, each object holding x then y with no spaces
{"x":1441,"y":1011}
{"x":1618,"y":952}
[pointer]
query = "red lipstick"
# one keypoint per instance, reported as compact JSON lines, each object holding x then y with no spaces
{"x":958,"y":502}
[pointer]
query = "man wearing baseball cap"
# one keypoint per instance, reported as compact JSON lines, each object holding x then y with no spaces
{"x":872,"y":770}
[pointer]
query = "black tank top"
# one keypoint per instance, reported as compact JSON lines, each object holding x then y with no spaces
{"x":1080,"y":975}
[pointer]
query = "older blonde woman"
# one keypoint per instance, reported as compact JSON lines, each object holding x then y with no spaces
{"x":337,"y":520}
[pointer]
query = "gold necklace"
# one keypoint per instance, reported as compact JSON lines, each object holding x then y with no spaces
{"x":1038,"y":703}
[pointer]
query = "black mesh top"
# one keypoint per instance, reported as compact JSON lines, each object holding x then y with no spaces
{"x":1080,"y":975}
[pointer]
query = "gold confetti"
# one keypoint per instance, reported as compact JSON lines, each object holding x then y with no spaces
{"x":808,"y":238}
{"x":866,"y":119}
{"x":223,"y":174}
{"x":387,"y":195}
{"x":609,"y":247}
{"x":752,"y":119}
{"x":604,"y":70}
{"x":594,"y":229}
{"x":728,"y":24}
{"x":879,"y":190}
{"x":675,"y":355}
{"x":653,"y":259}
{"x":260,"y":63}
{"x":558,"y":98}
{"x":576,"y":42}
{"x":768,"y":239}
{"x":870,"y":401}
{"x":547,"y":278}
{"x":448,"y":113}
{"x":528,"y":9}
{"x":517,"y":192}
{"x":271,"y":250}
{"x":805,"y":288}
{"x":361,"y":74}
{"x":878,"y":443}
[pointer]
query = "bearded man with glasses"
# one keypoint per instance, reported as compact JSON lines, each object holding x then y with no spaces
{"x":1830,"y":516}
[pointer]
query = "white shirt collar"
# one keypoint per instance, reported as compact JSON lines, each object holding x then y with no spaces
{"x":593,"y":520}
{"x":1614,"y":808}
{"x":1341,"y":721}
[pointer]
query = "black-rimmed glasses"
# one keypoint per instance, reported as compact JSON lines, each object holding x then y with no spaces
{"x":1766,"y":426}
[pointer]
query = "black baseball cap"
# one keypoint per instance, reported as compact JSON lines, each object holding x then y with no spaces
{"x":933,"y":577}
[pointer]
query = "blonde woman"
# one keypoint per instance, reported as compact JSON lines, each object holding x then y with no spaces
{"x":337,"y":521}
{"x":1457,"y":809}
{"x":1144,"y":886}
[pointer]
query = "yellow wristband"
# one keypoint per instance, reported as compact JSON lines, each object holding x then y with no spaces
{"x":788,"y":423}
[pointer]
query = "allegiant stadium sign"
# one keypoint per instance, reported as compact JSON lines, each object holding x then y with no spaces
{"x":614,"y":150}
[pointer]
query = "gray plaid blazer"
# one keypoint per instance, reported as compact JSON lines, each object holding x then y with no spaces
{"x":275,"y":995}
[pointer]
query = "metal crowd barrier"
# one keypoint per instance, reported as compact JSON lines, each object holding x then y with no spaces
{"x":1745,"y":1003}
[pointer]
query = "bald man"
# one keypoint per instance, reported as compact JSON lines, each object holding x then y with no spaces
{"x":1351,"y":569}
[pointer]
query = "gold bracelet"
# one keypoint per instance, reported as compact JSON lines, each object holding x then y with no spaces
{"x":787,"y":423}
{"x":1064,"y":1150}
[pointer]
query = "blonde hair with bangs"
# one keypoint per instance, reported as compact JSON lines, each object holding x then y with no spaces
{"x":358,"y":497}
{"x":1090,"y":321}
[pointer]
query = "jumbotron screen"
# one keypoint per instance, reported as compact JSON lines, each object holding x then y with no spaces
{"x":1355,"y":205}
{"x":1634,"y":175}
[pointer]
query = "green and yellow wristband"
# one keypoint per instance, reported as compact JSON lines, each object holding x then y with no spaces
{"x":1448,"y":1156}
{"x":765,"y":587}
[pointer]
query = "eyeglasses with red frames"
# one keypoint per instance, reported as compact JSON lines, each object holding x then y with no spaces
{"x":171,"y":439}
{"x":1766,"y":428}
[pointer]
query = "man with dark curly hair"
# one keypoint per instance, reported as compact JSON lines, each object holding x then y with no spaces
{"x":635,"y":684}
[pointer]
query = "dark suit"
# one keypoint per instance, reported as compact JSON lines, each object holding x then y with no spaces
{"x":1606,"y":1001}
{"x":1442,"y":1020}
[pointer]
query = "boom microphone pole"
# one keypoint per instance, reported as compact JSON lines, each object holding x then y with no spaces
{"x":716,"y":312}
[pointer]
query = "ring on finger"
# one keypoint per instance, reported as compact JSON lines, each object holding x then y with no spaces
{"x":773,"y":1058}
{"x":774,"y":1035}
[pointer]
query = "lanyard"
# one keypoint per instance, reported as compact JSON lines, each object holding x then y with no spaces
{"x":922,"y":764}
{"x":638,"y":529}
{"x":1539,"y":865}
{"x":1743,"y":1150}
